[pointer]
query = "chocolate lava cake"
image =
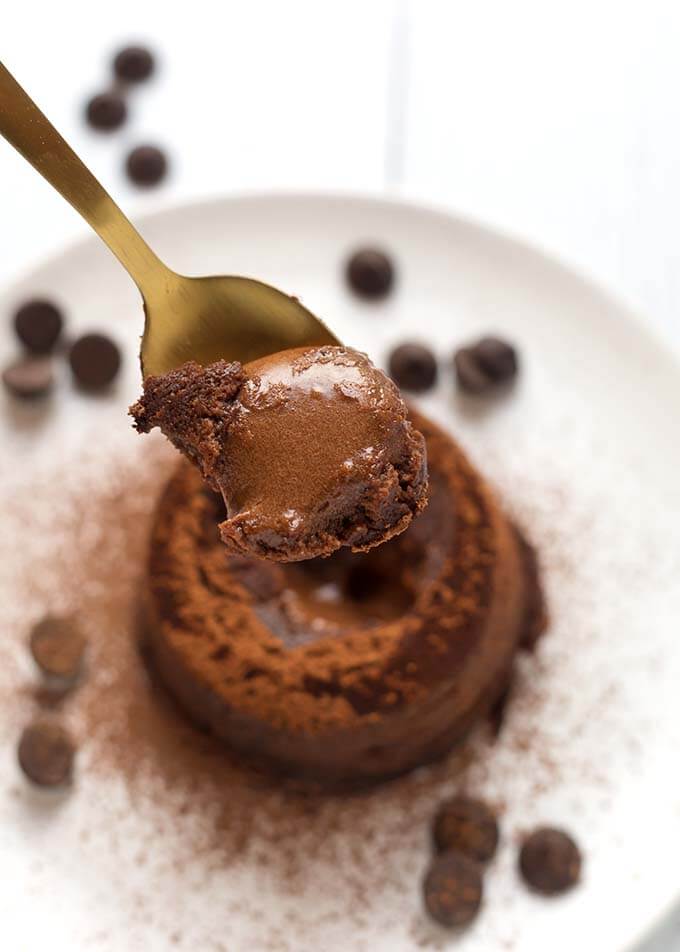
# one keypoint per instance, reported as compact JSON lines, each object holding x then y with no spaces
{"x":353,"y":668}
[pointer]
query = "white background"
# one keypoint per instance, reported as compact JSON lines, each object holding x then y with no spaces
{"x":555,"y":121}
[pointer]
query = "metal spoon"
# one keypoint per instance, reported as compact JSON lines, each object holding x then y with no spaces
{"x":202,"y":319}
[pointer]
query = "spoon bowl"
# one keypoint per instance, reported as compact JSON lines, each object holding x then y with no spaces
{"x":223,"y":317}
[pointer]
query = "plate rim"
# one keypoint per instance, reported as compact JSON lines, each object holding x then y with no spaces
{"x":626,"y":313}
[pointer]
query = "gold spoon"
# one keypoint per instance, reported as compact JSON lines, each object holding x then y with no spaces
{"x":202,"y":319}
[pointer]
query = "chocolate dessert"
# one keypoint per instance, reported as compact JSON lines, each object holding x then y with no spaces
{"x":353,"y":668}
{"x":311,"y":449}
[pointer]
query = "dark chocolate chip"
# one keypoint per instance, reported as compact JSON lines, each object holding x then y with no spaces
{"x":38,"y":324}
{"x":106,"y":111}
{"x":146,"y":165}
{"x":550,"y":861}
{"x":133,"y":64}
{"x":497,"y":358}
{"x":466,"y":826}
{"x":484,"y":365}
{"x":46,"y":752}
{"x":29,"y":377}
{"x":58,"y":648}
{"x":452,"y":890}
{"x":413,"y":367}
{"x":370,"y":273}
{"x":95,"y":361}
{"x":469,"y":374}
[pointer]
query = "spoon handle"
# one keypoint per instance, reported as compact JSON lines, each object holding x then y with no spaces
{"x":30,"y":132}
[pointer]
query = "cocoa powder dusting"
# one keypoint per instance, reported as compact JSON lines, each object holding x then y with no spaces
{"x":178,"y":826}
{"x":198,"y":802}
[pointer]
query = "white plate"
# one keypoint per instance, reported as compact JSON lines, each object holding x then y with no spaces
{"x":586,"y":453}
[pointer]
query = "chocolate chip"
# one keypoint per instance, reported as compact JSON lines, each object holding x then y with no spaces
{"x":413,"y":367}
{"x":467,"y":826}
{"x":497,"y":358}
{"x":95,"y":361}
{"x":146,"y":165}
{"x":38,"y":324}
{"x":46,"y":752}
{"x":133,"y":64}
{"x":470,"y":376}
{"x":452,"y":890}
{"x":370,"y":273}
{"x":550,"y":861}
{"x":29,"y":377}
{"x":485,"y":364}
{"x":106,"y":111}
{"x":58,"y":648}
